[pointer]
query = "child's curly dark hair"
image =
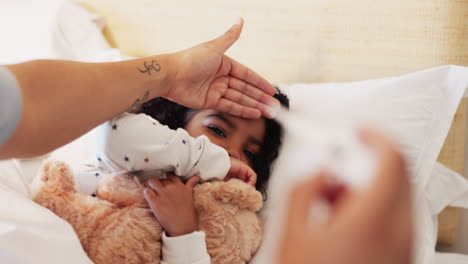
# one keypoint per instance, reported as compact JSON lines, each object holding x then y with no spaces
{"x":176,"y":116}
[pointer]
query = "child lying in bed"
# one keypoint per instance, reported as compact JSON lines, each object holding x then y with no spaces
{"x":166,"y":137}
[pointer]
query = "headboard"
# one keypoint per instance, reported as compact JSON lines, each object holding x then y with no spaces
{"x":309,"y":41}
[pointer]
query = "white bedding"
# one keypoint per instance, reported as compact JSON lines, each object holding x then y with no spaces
{"x":30,"y":233}
{"x":450,"y":258}
{"x":27,"y":29}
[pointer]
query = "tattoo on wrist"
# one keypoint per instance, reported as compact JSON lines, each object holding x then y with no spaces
{"x":138,"y":102}
{"x":148,"y":67}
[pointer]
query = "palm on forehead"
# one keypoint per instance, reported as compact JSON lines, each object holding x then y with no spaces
{"x":208,"y":79}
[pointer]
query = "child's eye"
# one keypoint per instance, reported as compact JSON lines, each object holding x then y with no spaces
{"x":249,"y":154}
{"x":218,"y":131}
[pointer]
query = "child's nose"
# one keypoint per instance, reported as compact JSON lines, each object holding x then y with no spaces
{"x":233,"y":154}
{"x":233,"y":151}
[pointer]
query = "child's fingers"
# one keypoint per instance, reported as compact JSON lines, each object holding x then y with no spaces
{"x":251,"y":177}
{"x":191,"y":182}
{"x":252,"y":181}
{"x":171,"y":177}
{"x":151,"y":198}
{"x":155,"y":185}
{"x":235,"y":166}
{"x":242,"y":171}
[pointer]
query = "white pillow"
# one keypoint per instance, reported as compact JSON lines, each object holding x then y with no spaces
{"x":79,"y":32}
{"x":48,"y":29}
{"x":27,"y":28}
{"x":415,"y":109}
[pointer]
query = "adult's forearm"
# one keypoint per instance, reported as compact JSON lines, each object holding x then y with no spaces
{"x":66,"y":99}
{"x":62,"y":100}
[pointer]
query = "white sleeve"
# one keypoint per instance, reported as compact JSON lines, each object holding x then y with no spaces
{"x":186,"y":249}
{"x":137,"y":142}
{"x":87,"y":177}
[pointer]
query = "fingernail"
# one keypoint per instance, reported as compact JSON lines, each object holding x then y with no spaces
{"x":238,"y":21}
{"x":272,"y":112}
{"x":363,"y":134}
{"x":273,"y":108}
{"x":150,"y":184}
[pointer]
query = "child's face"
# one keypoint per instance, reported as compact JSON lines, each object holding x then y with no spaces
{"x":241,"y":138}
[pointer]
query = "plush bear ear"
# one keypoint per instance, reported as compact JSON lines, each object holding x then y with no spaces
{"x":233,"y":192}
{"x":54,"y":177}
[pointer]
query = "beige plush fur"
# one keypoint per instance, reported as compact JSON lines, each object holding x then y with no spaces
{"x":226,"y":212}
{"x":118,"y":227}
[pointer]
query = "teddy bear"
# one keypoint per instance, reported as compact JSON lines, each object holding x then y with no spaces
{"x":117,"y":226}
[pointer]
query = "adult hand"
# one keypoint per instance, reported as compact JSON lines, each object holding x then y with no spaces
{"x":202,"y":77}
{"x":366,"y":227}
{"x":172,"y":204}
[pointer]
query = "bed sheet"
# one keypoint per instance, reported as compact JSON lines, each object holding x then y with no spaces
{"x":27,"y":29}
{"x":30,"y":233}
{"x":450,"y":258}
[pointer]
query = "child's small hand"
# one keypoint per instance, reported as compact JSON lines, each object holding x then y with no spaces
{"x":172,"y":204}
{"x":240,"y":170}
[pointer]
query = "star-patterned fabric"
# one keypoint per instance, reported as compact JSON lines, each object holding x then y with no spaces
{"x":140,"y":144}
